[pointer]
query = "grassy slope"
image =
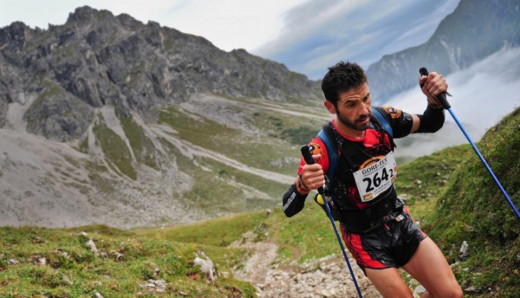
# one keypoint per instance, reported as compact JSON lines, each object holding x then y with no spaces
{"x":449,"y":192}
{"x":472,"y":209}
{"x":72,"y":270}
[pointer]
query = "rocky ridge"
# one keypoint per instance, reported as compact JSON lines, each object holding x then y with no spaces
{"x":97,"y":59}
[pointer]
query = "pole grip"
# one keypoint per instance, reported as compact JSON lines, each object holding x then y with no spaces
{"x":441,"y":97}
{"x":307,"y":156}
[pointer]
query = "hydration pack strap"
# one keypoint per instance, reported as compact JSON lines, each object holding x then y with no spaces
{"x":383,"y":121}
{"x":331,"y":151}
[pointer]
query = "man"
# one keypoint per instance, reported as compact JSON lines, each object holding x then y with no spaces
{"x":376,"y":227}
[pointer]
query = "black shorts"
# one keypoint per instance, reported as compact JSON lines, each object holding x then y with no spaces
{"x":391,"y":245}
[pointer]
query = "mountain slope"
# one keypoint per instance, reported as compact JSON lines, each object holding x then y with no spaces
{"x":108,"y":120}
{"x":474,"y":210}
{"x":188,"y":166}
{"x":98,"y":59}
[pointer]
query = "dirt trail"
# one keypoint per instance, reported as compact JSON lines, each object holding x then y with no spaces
{"x":326,"y":277}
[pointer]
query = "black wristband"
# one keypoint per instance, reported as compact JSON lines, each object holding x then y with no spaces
{"x":293,"y":201}
{"x":431,"y":120}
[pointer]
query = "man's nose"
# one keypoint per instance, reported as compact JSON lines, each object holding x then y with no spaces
{"x":365,"y":108}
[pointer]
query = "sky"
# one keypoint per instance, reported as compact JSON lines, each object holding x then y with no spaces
{"x":306,"y":36}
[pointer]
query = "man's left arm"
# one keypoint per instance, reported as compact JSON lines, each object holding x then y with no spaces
{"x":433,"y":117}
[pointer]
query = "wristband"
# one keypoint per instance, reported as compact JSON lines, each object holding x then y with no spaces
{"x":431,"y":120}
{"x":301,"y":185}
{"x":293,"y":201}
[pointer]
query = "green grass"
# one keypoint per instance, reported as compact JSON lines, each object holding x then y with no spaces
{"x":115,"y":149}
{"x":72,"y":270}
{"x":217,"y":232}
{"x":421,"y":182}
{"x":142,"y":146}
{"x":255,"y":150}
{"x":472,"y":208}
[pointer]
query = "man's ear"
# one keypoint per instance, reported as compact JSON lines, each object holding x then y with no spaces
{"x":330,"y":107}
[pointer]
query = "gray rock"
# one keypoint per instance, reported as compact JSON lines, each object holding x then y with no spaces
{"x":97,"y":58}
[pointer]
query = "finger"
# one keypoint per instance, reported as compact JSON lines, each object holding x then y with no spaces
{"x":422,"y":80}
{"x":313,"y":177}
{"x":315,"y":182}
{"x":438,"y":87}
{"x":311,"y":167}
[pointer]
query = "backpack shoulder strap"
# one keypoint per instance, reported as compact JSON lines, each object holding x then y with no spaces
{"x":377,"y":111}
{"x":325,"y":135}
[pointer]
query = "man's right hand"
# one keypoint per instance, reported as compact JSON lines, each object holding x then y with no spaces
{"x":312,"y":175}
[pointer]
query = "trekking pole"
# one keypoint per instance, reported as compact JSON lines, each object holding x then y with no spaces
{"x":442,"y":98}
{"x":309,"y":160}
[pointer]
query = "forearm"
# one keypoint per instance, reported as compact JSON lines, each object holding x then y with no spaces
{"x":294,"y":199}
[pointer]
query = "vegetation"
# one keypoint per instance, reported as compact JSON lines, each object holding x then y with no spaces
{"x":449,"y":192}
{"x":142,"y":146}
{"x":253,"y":149}
{"x":115,"y":149}
{"x":38,"y":262}
{"x":472,"y":209}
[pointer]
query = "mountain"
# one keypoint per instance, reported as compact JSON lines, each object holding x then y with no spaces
{"x":474,"y":31}
{"x":96,"y":59}
{"x":108,"y":120}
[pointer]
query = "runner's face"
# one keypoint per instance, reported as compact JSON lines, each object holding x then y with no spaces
{"x":353,"y":108}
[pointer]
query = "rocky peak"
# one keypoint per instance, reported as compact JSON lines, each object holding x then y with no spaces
{"x":16,"y":35}
{"x":86,"y":15}
{"x":96,"y":59}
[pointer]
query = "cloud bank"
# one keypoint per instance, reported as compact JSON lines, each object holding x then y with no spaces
{"x":482,"y":95}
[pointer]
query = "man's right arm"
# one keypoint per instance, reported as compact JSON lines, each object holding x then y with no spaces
{"x":309,"y":177}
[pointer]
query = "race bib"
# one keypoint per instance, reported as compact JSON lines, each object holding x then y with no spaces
{"x":375,"y":176}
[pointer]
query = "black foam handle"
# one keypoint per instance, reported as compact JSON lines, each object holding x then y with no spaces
{"x":307,"y":156}
{"x":441,"y":97}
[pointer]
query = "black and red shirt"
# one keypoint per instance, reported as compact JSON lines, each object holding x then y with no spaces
{"x":366,"y":156}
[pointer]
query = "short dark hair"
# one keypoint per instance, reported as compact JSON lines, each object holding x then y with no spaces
{"x":342,"y":77}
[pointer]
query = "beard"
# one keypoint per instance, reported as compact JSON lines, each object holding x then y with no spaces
{"x":356,"y":124}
